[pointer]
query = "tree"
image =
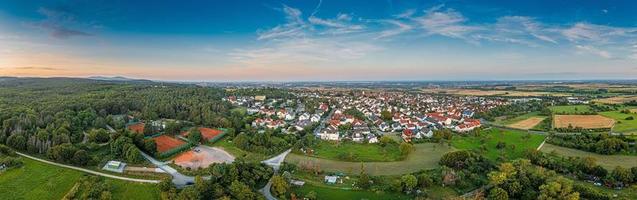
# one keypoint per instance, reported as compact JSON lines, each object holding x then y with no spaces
{"x":149,"y":129}
{"x":386,"y":115}
{"x":81,"y":158}
{"x":166,"y":184}
{"x":363,"y":179}
{"x":498,"y":194}
{"x":98,"y":136}
{"x":622,"y":175}
{"x":405,"y":148}
{"x":279,"y":186}
{"x":559,"y":189}
{"x":409,"y":182}
{"x":172,"y":128}
{"x":385,"y":140}
{"x":194,"y":135}
{"x":150,"y":146}
{"x":241,"y":191}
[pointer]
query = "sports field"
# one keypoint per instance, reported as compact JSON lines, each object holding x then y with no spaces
{"x":515,"y":143}
{"x":527,"y":123}
{"x":37,"y":180}
{"x":425,"y":156}
{"x":607,"y":161}
{"x":202,"y":157}
{"x":166,"y":143}
{"x":583,"y":121}
{"x":206,"y":133}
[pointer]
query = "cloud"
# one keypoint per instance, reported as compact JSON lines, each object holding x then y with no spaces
{"x":585,"y":32}
{"x":399,"y":28}
{"x":294,"y":27}
{"x":448,"y":23}
{"x":593,"y":50}
{"x":57,"y":23}
{"x":39,"y":68}
{"x":342,"y":24}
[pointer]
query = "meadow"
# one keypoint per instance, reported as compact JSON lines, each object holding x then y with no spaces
{"x":351,"y":151}
{"x":37,"y":180}
{"x":622,"y":125}
{"x":570,"y":109}
{"x":607,"y":161}
{"x":424,"y":156}
{"x":515,"y":143}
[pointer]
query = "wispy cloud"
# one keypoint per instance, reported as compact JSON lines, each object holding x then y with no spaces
{"x":57,"y":23}
{"x":294,"y":27}
{"x":39,"y":68}
{"x":399,"y":28}
{"x":593,"y":50}
{"x":447,"y":22}
{"x":585,"y":32}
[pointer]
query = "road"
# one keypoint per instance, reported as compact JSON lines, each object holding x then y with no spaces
{"x":89,"y":171}
{"x":323,"y":121}
{"x":275,"y":163}
{"x":180,"y":180}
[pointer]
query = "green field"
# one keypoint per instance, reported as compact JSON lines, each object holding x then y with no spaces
{"x":514,"y":140}
{"x":37,"y":180}
{"x":512,"y":120}
{"x":351,"y":151}
{"x":334,"y":193}
{"x":607,"y":161}
{"x":226,"y":145}
{"x":425,"y":156}
{"x":622,"y":125}
{"x":571,"y":109}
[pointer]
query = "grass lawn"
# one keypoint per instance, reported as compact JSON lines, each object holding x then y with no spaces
{"x":607,"y":161}
{"x":490,"y":139}
{"x":333,"y":193}
{"x":228,"y":146}
{"x":425,"y":156}
{"x":622,"y":125}
{"x":37,"y":180}
{"x":351,"y":151}
{"x":571,"y":109}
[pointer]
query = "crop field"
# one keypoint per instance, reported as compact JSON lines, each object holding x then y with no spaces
{"x":473,"y":92}
{"x":425,"y":156}
{"x":527,"y":123}
{"x":570,"y":109}
{"x":583,"y":121}
{"x":607,"y":161}
{"x":623,"y":125}
{"x":166,"y":143}
{"x":515,"y":142}
{"x":617,"y":100}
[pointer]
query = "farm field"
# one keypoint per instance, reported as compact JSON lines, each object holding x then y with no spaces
{"x":166,"y":143}
{"x":570,"y":110}
{"x":515,"y":143}
{"x":616,"y":100}
{"x":425,"y":156}
{"x":607,"y":161}
{"x":474,"y":92}
{"x":527,"y":123}
{"x":351,"y":151}
{"x":622,"y":125}
{"x":583,"y":121}
{"x":37,"y":180}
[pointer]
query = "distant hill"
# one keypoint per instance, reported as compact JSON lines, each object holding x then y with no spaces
{"x":114,"y":78}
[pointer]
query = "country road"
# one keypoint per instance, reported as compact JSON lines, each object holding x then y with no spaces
{"x":89,"y":171}
{"x":275,"y":163}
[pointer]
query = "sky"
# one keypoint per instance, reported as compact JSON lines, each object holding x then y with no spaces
{"x":320,"y":40}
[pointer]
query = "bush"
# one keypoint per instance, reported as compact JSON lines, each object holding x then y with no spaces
{"x":630,"y":118}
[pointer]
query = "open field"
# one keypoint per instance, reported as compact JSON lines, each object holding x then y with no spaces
{"x":616,"y":100}
{"x":527,"y":123}
{"x":622,"y":125}
{"x":583,"y":121}
{"x":335,"y":193}
{"x":37,"y":180}
{"x":351,"y":151}
{"x":227,"y":146}
{"x":425,"y":156}
{"x":570,"y":110}
{"x":473,"y":92}
{"x":202,"y":157}
{"x":515,"y":143}
{"x":166,"y":143}
{"x":607,"y":161}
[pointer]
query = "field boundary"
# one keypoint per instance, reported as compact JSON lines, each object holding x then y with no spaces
{"x":88,"y":171}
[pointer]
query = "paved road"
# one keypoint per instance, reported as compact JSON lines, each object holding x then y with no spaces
{"x":274,"y":162}
{"x":89,"y":171}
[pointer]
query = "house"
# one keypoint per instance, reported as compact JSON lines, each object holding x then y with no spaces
{"x":357,"y":137}
{"x":315,"y":118}
{"x":468,"y":125}
{"x":424,"y":133}
{"x":301,"y":124}
{"x":259,"y":98}
{"x":331,"y":179}
{"x":407,"y":135}
{"x":383,"y":127}
{"x":252,"y":110}
{"x":396,"y":127}
{"x":330,"y":133}
{"x":371,"y":138}
{"x":304,"y":116}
